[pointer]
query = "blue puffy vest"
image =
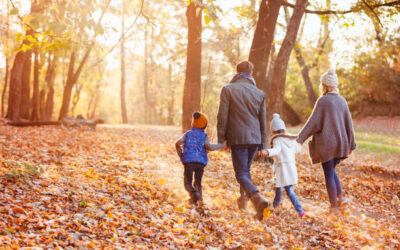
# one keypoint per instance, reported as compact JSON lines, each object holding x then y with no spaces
{"x":194,"y":149}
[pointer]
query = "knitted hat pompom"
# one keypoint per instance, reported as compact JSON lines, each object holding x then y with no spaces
{"x":277,"y":123}
{"x":330,"y":78}
{"x":199,"y":120}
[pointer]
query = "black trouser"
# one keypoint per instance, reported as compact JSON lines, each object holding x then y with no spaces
{"x":197,"y":169}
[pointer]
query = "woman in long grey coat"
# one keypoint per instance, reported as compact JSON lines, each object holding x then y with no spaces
{"x":331,"y":127}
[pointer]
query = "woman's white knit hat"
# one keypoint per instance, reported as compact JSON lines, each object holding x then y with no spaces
{"x":330,"y":78}
{"x":277,"y":123}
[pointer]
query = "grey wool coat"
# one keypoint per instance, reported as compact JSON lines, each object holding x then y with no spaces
{"x":241,"y":114}
{"x":331,"y":126}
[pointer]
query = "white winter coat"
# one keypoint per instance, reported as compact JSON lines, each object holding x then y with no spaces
{"x":285,"y":164}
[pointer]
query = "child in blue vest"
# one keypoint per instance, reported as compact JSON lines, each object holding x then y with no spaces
{"x":195,"y":144}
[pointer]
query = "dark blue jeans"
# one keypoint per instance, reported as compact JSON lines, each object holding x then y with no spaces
{"x":197,"y":169}
{"x":292,"y":196}
{"x":242,"y":157}
{"x":332,"y":181}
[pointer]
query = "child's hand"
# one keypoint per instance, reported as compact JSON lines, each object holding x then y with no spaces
{"x":263,"y":153}
{"x":226,"y":146}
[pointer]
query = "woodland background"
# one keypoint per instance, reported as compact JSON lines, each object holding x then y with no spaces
{"x":125,"y":61}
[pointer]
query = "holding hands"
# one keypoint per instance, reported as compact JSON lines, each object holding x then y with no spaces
{"x":263,"y":153}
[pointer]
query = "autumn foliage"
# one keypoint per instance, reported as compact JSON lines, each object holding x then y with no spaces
{"x":122,"y":186}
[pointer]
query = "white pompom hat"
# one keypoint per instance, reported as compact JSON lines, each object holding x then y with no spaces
{"x":277,"y":123}
{"x":330,"y":78}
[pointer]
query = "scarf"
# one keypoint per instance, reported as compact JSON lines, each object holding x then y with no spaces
{"x":243,"y":75}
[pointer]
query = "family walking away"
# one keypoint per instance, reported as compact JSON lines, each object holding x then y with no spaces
{"x":241,"y":125}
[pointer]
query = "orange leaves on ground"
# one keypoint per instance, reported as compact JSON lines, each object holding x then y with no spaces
{"x":123,"y":187}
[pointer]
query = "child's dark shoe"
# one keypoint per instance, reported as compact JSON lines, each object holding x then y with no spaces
{"x":334,"y":211}
{"x":193,"y":198}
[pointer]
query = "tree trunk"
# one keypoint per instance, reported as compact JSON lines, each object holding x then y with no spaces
{"x":35,"y":97}
{"x":6,"y":76}
{"x":50,"y":76}
{"x":290,"y":115}
{"x":171,"y":102}
{"x":279,"y":74}
{"x":146,"y":79}
{"x":72,"y":78}
{"x":14,"y":94}
{"x":42,"y":105}
{"x":192,"y":87}
{"x":3,"y":94}
{"x":306,"y":77}
{"x":25,"y":86}
{"x":262,"y":40}
{"x":123,"y":104}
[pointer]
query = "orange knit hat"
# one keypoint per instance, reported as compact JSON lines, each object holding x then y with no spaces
{"x":199,"y":120}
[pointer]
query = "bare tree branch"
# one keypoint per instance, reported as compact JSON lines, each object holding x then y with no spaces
{"x":351,"y":10}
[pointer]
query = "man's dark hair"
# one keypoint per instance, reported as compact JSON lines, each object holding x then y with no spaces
{"x":244,"y":66}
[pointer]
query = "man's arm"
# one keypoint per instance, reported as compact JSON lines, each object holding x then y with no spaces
{"x":222,"y":117}
{"x":263,"y":125}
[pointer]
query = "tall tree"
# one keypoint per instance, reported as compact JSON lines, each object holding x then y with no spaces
{"x":192,"y":86}
{"x":50,"y":76}
{"x":7,"y":58}
{"x":122,"y":93}
{"x":73,"y":75}
{"x":262,"y":40}
{"x":277,"y":93}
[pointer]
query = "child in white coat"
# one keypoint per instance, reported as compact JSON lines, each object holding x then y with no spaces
{"x":284,"y":146}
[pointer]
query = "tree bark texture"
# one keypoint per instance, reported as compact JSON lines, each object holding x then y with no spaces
{"x":14,"y":96}
{"x":262,"y":40}
{"x":192,"y":87}
{"x":279,"y":74}
{"x":50,"y":76}
{"x":35,"y":98}
{"x":305,"y":72}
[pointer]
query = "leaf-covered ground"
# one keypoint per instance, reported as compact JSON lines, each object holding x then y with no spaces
{"x":123,"y":187}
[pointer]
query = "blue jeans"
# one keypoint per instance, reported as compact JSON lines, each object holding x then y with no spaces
{"x":292,"y":196}
{"x":332,"y":181}
{"x":242,"y":157}
{"x":198,"y":170}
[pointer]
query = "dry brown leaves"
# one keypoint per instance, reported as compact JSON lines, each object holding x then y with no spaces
{"x":123,"y":187}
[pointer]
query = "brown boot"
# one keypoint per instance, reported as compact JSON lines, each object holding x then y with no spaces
{"x":242,"y":203}
{"x":259,"y":203}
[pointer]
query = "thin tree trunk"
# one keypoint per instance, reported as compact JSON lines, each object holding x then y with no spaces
{"x":14,"y":96}
{"x":206,"y":83}
{"x":73,"y":75}
{"x":50,"y":76}
{"x":42,"y":105}
{"x":262,"y":40}
{"x":6,"y":76}
{"x":192,"y":87}
{"x":35,"y":97}
{"x":3,"y":94}
{"x":171,"y":102}
{"x":306,"y":77}
{"x":72,"y":78}
{"x":279,"y":74}
{"x":123,"y":104}
{"x":25,"y":85}
{"x":146,"y":79}
{"x":76,"y":97}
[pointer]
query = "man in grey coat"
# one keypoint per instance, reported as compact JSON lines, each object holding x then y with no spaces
{"x":242,"y":123}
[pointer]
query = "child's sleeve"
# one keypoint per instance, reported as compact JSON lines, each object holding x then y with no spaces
{"x":178,"y":145}
{"x":275,"y":149}
{"x":212,"y":147}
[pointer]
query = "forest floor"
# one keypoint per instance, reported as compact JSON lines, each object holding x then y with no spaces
{"x":122,"y":186}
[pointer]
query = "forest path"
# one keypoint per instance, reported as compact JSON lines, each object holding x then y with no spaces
{"x":122,"y":186}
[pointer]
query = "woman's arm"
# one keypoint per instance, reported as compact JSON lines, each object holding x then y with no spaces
{"x":313,"y":124}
